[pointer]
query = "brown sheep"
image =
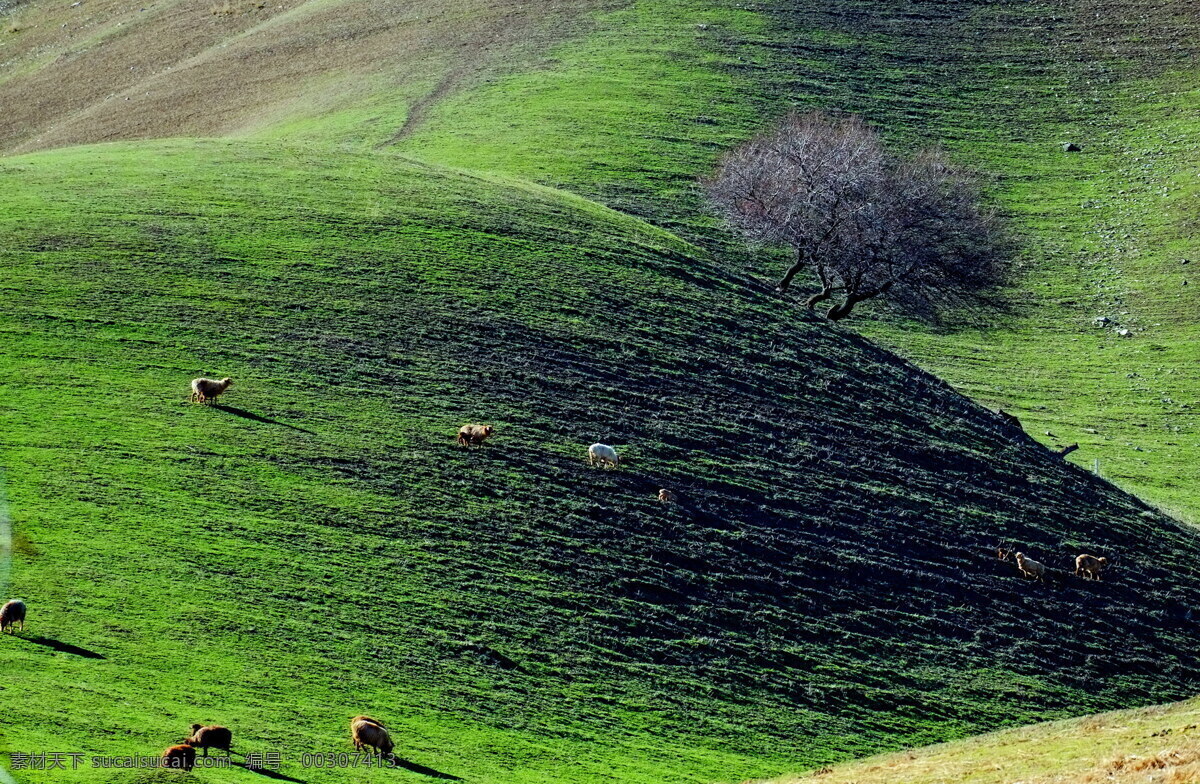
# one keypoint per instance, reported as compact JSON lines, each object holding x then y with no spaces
{"x":11,"y":614}
{"x":667,"y":496}
{"x":1031,"y":568}
{"x":474,"y":435}
{"x":205,"y":390}
{"x":215,"y":737}
{"x":181,"y":757}
{"x":365,"y":731}
{"x":1089,"y":566}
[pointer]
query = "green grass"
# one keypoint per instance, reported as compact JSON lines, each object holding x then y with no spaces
{"x":633,"y":114}
{"x":289,"y":573}
{"x":319,"y":548}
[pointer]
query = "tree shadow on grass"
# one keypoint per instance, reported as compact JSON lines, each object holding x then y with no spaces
{"x":400,"y":762}
{"x":65,"y":647}
{"x":244,"y":414}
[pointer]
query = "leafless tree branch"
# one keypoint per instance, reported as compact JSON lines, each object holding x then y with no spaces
{"x":868,"y":223}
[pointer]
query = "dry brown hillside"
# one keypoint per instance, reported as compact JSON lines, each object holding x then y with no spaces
{"x":104,"y":70}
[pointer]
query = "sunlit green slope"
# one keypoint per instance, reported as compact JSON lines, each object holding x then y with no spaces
{"x":319,"y":547}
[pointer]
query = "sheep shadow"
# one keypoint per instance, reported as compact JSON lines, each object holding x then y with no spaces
{"x":244,"y":414}
{"x":268,"y":773}
{"x":400,"y":762}
{"x":64,"y":647}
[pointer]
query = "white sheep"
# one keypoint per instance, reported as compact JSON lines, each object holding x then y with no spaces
{"x":1031,"y":568}
{"x":206,"y":389}
{"x":603,"y":454}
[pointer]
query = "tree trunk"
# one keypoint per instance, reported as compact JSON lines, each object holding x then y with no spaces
{"x":792,"y":272}
{"x":842,"y":309}
{"x":839,"y":312}
{"x":820,"y":296}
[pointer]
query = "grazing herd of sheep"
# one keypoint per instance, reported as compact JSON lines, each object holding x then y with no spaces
{"x":1087,"y":567}
{"x":183,"y":755}
{"x":598,"y":454}
{"x":369,"y":733}
{"x":365,"y":732}
{"x":206,"y":390}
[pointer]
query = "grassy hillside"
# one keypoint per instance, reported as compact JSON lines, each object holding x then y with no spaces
{"x":365,"y":251}
{"x":629,"y":102}
{"x":1125,"y":747}
{"x":644,"y":105}
{"x":319,"y":547}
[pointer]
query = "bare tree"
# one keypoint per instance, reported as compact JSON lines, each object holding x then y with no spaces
{"x":867,"y":223}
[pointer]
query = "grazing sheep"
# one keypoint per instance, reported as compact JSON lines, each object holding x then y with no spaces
{"x":181,"y":757}
{"x":474,"y":435}
{"x":11,"y":614}
{"x":365,"y":731}
{"x":1089,"y":566}
{"x":215,"y":737}
{"x":604,"y":454}
{"x":207,"y":389}
{"x":1031,"y":568}
{"x":667,"y":496}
